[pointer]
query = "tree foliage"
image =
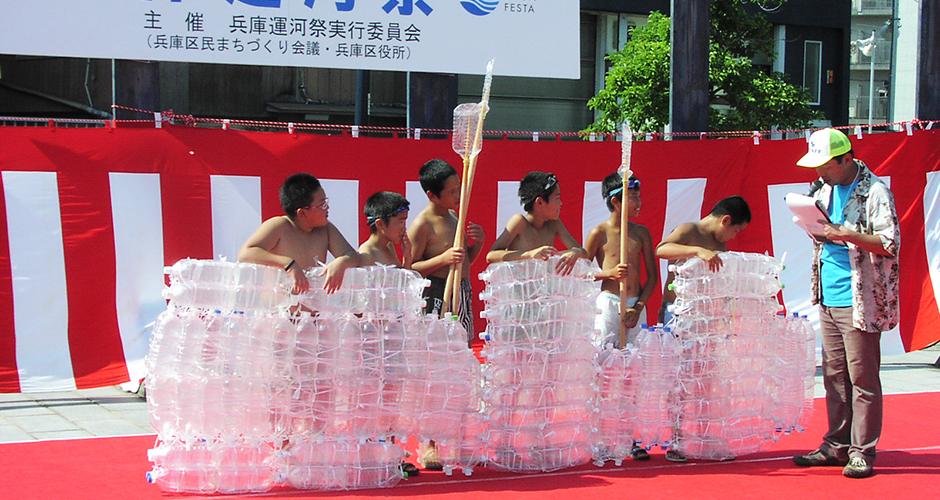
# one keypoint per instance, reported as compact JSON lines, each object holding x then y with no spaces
{"x":742,"y":96}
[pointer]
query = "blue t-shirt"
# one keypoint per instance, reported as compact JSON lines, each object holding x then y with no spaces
{"x":836,"y":271}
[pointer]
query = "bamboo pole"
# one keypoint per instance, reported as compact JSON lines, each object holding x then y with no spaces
{"x":626,"y":151}
{"x":450,"y":298}
{"x":452,"y":288}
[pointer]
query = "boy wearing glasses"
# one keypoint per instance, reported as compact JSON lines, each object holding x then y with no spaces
{"x":532,"y":236}
{"x":300,"y":239}
{"x":603,"y":245}
{"x":387,"y":215}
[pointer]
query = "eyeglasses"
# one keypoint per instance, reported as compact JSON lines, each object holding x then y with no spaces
{"x":322,"y":206}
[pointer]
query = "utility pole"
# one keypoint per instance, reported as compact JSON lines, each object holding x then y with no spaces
{"x":928,"y":88}
{"x":688,"y":74}
{"x":363,"y":96}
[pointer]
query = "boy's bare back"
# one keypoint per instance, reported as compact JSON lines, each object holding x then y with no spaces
{"x":690,"y":234}
{"x":695,"y":234}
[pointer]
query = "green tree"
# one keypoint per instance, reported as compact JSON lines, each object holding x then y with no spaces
{"x":742,"y":96}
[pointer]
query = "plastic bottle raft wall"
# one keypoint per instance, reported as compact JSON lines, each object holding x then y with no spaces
{"x":245,"y":395}
{"x":246,"y":399}
{"x":540,"y":371}
{"x":746,"y":372}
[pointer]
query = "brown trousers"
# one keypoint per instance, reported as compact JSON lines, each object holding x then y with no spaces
{"x":851,"y":364}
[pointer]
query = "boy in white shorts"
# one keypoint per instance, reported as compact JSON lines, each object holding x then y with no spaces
{"x":603,"y":245}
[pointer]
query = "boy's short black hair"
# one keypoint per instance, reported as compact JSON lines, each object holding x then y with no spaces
{"x":433,"y":174}
{"x":382,"y":206}
{"x":735,"y":207}
{"x":297,"y":192}
{"x":536,"y":185}
{"x":611,"y":188}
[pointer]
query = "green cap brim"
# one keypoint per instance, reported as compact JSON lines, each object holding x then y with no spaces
{"x":813,"y":160}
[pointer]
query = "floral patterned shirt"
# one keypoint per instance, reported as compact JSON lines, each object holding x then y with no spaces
{"x":869,"y":210}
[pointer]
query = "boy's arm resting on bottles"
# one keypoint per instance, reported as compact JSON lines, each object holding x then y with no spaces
{"x":345,"y":257}
{"x":675,"y":251}
{"x":499,"y":251}
{"x":570,"y":243}
{"x":575,"y":250}
{"x":256,"y":250}
{"x":675,"y":247}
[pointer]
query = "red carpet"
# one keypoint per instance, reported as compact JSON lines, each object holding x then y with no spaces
{"x":908,"y":466}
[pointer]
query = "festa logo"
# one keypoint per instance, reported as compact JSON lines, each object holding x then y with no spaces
{"x":479,"y":7}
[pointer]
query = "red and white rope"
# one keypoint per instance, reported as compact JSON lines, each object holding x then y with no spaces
{"x":192,"y":121}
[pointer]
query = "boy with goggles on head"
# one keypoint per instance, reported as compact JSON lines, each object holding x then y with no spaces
{"x":532,"y":236}
{"x":387,"y":215}
{"x":603,"y":245}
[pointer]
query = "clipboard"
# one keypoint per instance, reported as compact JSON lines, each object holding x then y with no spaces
{"x":810,"y":215}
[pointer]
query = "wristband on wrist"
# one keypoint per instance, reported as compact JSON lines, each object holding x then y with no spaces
{"x":290,"y":265}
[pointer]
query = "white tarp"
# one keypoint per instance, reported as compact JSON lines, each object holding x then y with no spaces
{"x":538,"y":38}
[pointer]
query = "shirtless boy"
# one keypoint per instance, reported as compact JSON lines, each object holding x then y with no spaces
{"x":300,"y":239}
{"x":433,"y":253}
{"x":603,"y":245}
{"x":703,"y":239}
{"x":432,"y":240}
{"x":532,"y":236}
{"x":387,"y":215}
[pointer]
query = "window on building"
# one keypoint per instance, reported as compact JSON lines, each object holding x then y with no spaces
{"x":812,"y":69}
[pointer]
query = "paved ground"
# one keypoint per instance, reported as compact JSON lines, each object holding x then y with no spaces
{"x":109,"y":411}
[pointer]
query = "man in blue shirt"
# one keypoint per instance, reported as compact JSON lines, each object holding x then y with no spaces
{"x":855,"y":284}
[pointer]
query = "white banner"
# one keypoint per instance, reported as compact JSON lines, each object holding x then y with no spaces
{"x":538,"y":38}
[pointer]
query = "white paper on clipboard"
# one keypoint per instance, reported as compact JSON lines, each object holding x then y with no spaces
{"x":810,"y":215}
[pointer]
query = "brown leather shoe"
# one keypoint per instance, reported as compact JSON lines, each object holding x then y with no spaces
{"x":858,"y":468}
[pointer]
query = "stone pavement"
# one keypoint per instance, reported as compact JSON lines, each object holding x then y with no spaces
{"x":110,"y":411}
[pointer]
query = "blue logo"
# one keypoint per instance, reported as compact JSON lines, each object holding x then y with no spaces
{"x":479,"y":7}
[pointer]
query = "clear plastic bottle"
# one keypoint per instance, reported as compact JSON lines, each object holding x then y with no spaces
{"x":163,"y":355}
{"x":246,"y":468}
{"x":180,"y":468}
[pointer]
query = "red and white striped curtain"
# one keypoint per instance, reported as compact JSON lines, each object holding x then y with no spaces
{"x":91,"y":217}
